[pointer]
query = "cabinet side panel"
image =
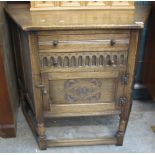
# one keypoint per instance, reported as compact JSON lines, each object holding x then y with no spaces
{"x":27,"y":71}
{"x":126,"y":108}
{"x":133,"y":52}
{"x":36,"y":77}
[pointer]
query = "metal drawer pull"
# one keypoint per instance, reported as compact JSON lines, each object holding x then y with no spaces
{"x":55,"y":42}
{"x":112,"y":42}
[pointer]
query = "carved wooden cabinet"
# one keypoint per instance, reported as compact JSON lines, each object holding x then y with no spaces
{"x":81,"y":71}
{"x":82,"y":65}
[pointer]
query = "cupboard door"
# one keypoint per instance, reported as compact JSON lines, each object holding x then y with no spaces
{"x":81,"y":93}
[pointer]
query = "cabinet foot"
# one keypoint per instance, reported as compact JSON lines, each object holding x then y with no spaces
{"x":120,"y":138}
{"x":42,"y":143}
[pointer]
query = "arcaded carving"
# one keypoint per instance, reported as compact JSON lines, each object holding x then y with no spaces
{"x":90,"y":59}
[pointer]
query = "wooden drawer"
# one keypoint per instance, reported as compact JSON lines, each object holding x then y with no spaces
{"x":98,"y":3}
{"x":84,"y":5}
{"x":122,"y":4}
{"x":81,"y":93}
{"x":42,"y":4}
{"x":71,"y":42}
{"x":70,"y":4}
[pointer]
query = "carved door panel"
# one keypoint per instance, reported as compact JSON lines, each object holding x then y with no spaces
{"x":81,"y":93}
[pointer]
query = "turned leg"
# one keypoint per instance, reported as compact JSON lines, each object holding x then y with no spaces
{"x":121,"y":132}
{"x":41,"y":137}
{"x":153,"y":128}
{"x":124,"y":117}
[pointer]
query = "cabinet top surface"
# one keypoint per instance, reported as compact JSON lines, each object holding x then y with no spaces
{"x":79,"y":19}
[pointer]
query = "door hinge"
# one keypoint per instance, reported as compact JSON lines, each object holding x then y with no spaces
{"x":123,"y":100}
{"x":124,"y":79}
{"x":42,"y":87}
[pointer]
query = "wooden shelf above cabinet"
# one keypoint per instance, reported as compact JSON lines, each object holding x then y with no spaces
{"x":78,"y":5}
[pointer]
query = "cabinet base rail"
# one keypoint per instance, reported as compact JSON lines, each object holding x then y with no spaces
{"x":44,"y":142}
{"x":79,"y":142}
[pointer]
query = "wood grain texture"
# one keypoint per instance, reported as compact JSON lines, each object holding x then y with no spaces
{"x":102,"y":19}
{"x":85,"y":109}
{"x":37,"y":94}
{"x":126,"y":108}
{"x":95,"y":42}
{"x":81,"y":142}
{"x":80,"y":5}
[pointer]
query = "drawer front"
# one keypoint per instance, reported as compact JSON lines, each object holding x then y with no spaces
{"x":122,"y":4}
{"x":70,"y":4}
{"x":84,"y":42}
{"x":97,"y":3}
{"x":62,"y":5}
{"x":80,"y":93}
{"x":42,"y":4}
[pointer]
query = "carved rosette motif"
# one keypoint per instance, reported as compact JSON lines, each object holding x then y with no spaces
{"x":86,"y":90}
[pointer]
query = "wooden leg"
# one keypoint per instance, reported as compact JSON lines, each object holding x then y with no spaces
{"x":39,"y":133}
{"x":153,"y":128}
{"x":42,"y":143}
{"x":120,"y":138}
{"x":38,"y":130}
{"x":124,"y":117}
{"x":122,"y":127}
{"x":41,"y":137}
{"x":120,"y":133}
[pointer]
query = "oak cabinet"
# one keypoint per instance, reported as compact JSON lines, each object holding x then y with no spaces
{"x":76,"y":67}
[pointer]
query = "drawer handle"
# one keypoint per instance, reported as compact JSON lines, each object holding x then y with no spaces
{"x":55,"y":43}
{"x":112,"y":42}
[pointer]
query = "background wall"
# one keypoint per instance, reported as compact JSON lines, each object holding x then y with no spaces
{"x":140,"y":91}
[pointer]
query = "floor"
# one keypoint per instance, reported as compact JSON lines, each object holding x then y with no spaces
{"x":139,"y":136}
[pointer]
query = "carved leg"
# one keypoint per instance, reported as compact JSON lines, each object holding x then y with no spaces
{"x":123,"y":123}
{"x":42,"y":143}
{"x":41,"y":137}
{"x":120,"y":134}
{"x":39,"y":130}
{"x":122,"y":127}
{"x":153,"y":128}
